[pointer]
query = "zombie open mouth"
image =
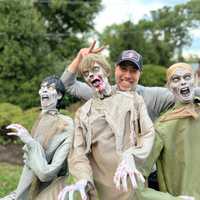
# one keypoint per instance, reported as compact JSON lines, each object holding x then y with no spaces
{"x":96,"y":82}
{"x":185,"y":91}
{"x":45,"y":97}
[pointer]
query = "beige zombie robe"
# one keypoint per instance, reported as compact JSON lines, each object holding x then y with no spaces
{"x":104,"y":130}
{"x":45,"y":166}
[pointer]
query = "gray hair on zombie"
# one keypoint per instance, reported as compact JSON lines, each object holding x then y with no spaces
{"x":89,"y":60}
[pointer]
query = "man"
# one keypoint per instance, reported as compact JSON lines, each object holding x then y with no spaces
{"x":46,"y":148}
{"x":176,"y":147}
{"x":113,"y":131}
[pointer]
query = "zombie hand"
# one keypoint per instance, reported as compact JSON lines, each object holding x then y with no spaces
{"x":186,"y":197}
{"x":70,"y":189}
{"x":21,"y":132}
{"x":127,"y":168}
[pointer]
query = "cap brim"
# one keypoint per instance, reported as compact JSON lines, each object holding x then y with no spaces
{"x":134,"y":63}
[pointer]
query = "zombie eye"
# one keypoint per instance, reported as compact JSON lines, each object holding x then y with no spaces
{"x":175,"y":79}
{"x":42,"y":87}
{"x":85,"y":73}
{"x":96,"y":69}
{"x":187,"y":77}
{"x":51,"y":87}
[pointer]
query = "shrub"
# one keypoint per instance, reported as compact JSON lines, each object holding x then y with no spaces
{"x":153,"y":75}
{"x":9,"y":114}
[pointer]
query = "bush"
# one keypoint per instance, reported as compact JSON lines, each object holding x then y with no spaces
{"x":153,"y":75}
{"x":9,"y":114}
{"x":9,"y":177}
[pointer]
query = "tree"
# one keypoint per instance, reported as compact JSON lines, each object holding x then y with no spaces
{"x":121,"y":37}
{"x":67,"y":23}
{"x":37,"y":40}
{"x":25,"y":56}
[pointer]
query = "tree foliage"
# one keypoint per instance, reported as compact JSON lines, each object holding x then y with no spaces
{"x":36,"y":41}
{"x":153,"y":75}
{"x":67,"y":23}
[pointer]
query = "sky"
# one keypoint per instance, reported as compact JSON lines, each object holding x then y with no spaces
{"x":119,"y":11}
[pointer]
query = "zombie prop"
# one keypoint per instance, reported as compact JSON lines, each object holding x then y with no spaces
{"x":46,"y":148}
{"x":176,"y":146}
{"x":112,"y":131}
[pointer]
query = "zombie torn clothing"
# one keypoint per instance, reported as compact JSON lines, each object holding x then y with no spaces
{"x":45,"y":166}
{"x":105,"y":129}
{"x":176,"y":152}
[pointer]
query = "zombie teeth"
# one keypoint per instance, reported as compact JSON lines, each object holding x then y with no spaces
{"x":185,"y":91}
{"x":96,"y":82}
{"x":45,"y":97}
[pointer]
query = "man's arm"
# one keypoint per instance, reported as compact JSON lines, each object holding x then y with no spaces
{"x":157,"y":100}
{"x":74,"y":87}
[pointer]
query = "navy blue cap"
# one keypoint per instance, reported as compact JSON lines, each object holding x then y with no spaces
{"x":132,"y":56}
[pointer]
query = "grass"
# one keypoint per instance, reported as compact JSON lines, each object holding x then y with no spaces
{"x":9,"y":177}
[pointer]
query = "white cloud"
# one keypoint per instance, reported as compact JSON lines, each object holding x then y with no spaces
{"x":118,"y":11}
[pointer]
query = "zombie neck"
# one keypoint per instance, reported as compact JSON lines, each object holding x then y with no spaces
{"x":105,"y":92}
{"x":52,"y":110}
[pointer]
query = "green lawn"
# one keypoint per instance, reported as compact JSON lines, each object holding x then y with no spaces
{"x":9,"y":176}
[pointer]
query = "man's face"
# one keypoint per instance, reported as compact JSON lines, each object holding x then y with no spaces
{"x":96,"y":77}
{"x":181,"y":84}
{"x":126,"y":77}
{"x":48,"y":96}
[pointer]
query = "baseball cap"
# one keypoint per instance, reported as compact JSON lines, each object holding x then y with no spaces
{"x":132,"y":56}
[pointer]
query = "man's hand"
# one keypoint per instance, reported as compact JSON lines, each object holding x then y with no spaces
{"x":127,"y":168}
{"x":21,"y":132}
{"x":85,"y":51}
{"x":73,"y":67}
{"x":70,"y":189}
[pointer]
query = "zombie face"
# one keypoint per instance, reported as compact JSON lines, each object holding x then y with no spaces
{"x":181,"y":83}
{"x":96,"y":77}
{"x":48,"y":96}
